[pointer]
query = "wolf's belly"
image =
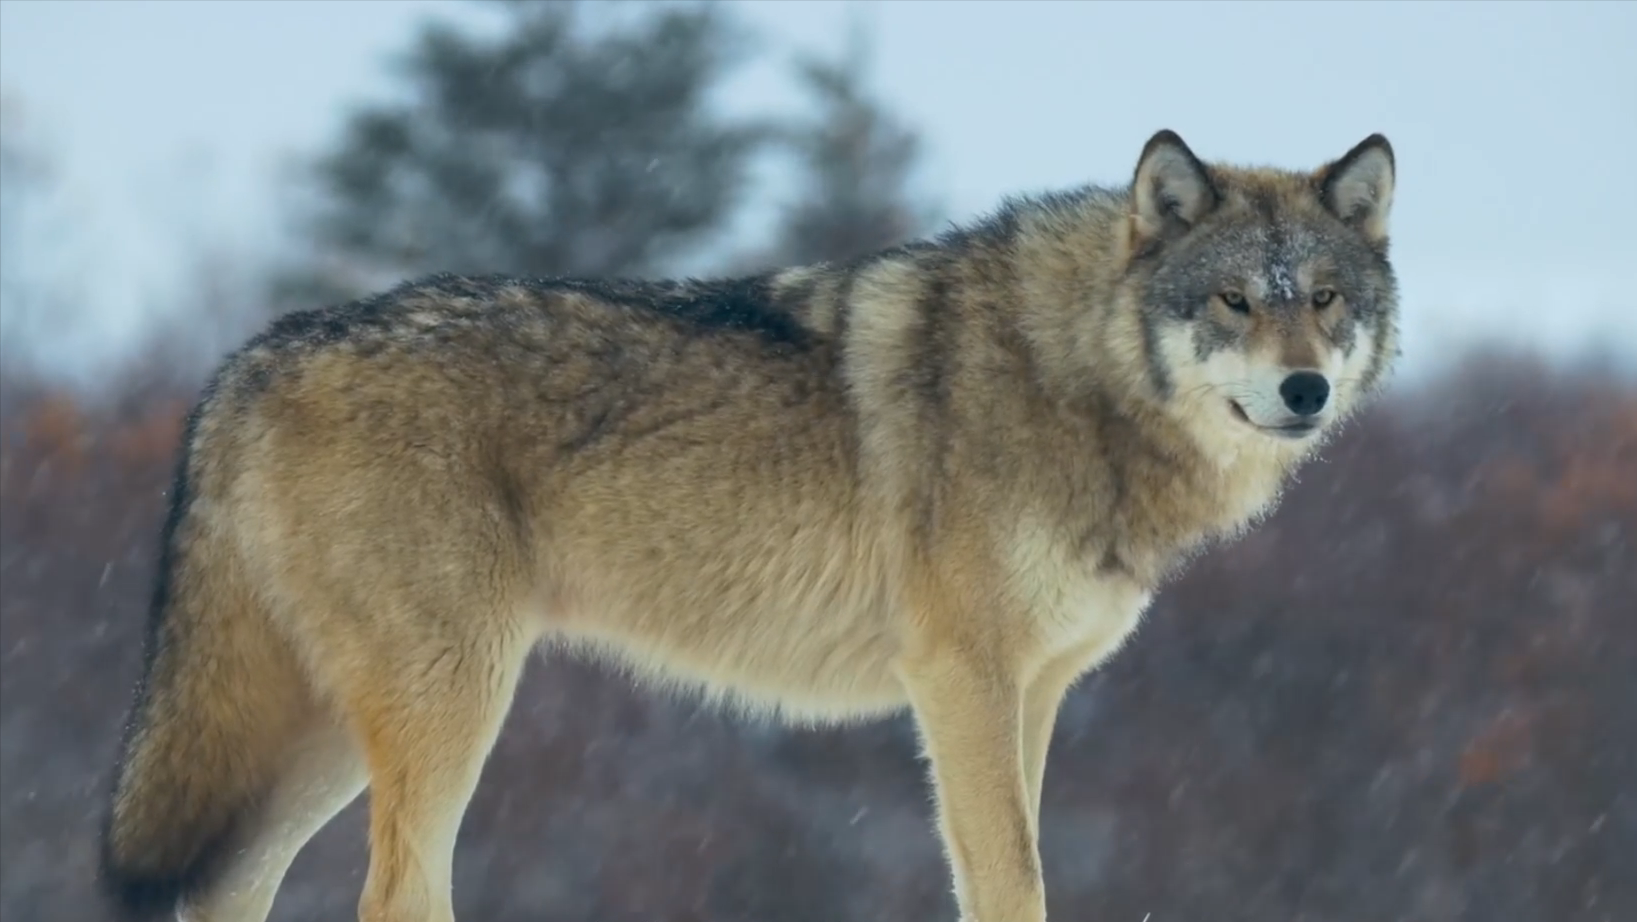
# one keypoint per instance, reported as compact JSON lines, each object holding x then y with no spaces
{"x":805,"y":676}
{"x":819,"y":645}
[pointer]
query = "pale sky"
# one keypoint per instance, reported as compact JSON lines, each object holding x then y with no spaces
{"x":1515,"y":124}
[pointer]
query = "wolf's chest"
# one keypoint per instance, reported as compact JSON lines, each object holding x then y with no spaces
{"x":1069,"y":599}
{"x":1098,"y":610}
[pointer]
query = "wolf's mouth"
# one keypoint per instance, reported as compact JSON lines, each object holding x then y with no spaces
{"x":1296,"y":430}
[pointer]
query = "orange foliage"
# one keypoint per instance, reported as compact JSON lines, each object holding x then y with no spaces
{"x":56,"y":430}
{"x":1499,"y":750}
{"x":151,"y":437}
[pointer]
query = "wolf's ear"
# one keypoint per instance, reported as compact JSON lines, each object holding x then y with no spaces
{"x":1172,"y":189}
{"x":1358,"y":188}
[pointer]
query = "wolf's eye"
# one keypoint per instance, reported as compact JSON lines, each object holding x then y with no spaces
{"x":1323,"y":297}
{"x":1235,"y":301}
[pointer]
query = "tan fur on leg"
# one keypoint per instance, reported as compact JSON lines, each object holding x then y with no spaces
{"x":425,"y":754}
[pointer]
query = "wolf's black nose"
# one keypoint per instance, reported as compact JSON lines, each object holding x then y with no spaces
{"x":1305,"y":392}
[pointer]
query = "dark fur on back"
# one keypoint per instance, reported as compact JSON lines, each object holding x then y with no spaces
{"x":716,"y":306}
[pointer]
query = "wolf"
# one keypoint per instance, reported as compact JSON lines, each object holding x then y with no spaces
{"x":946,"y":478}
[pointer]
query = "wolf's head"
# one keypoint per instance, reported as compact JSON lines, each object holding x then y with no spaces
{"x":1268,"y":305}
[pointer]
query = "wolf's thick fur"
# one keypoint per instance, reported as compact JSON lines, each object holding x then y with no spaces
{"x":948,"y":476}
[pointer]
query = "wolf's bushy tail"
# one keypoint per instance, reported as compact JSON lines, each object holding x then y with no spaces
{"x":219,"y":696}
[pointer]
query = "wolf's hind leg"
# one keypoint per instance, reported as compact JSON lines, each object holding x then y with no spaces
{"x":427,"y":714}
{"x":324,"y":773}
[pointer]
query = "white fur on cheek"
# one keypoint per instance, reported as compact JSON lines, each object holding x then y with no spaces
{"x":1203,"y":389}
{"x":1201,"y":392}
{"x":1346,"y":373}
